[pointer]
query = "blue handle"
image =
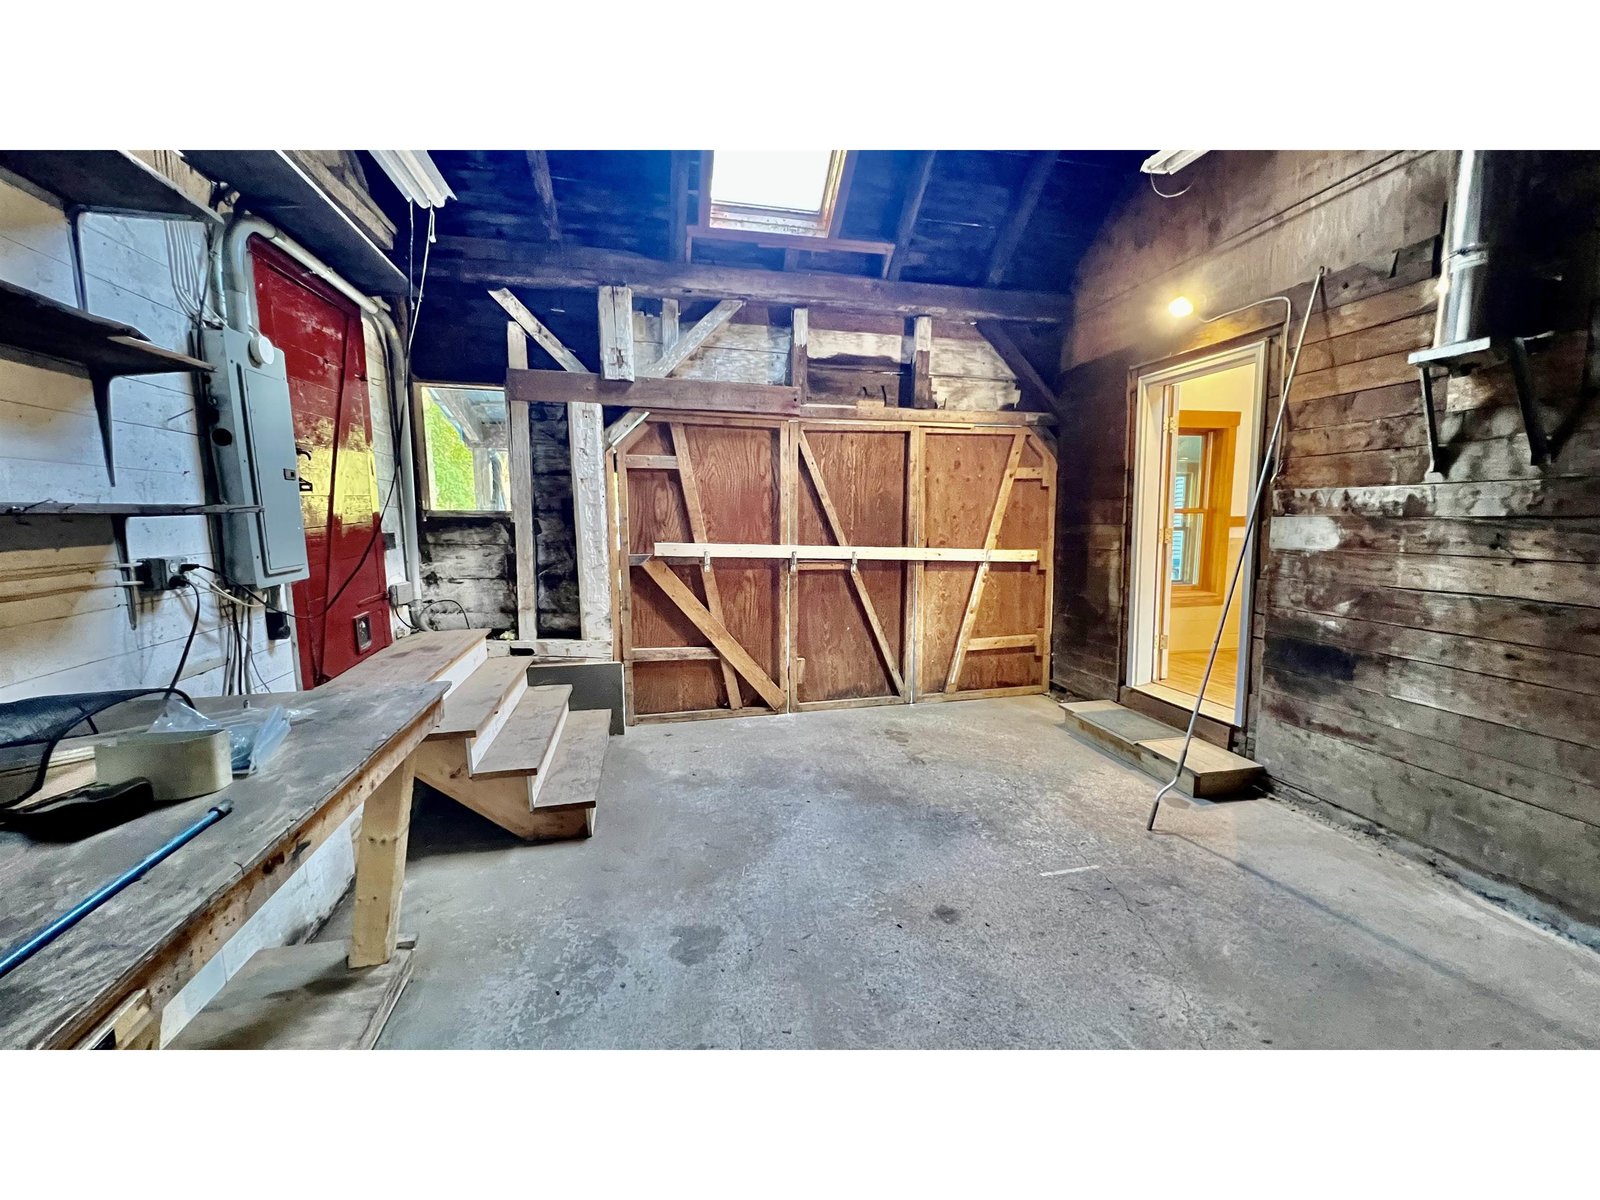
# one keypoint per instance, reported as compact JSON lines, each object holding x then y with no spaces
{"x":31,"y":945}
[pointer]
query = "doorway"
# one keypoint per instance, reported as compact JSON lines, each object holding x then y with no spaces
{"x":1196,"y":462}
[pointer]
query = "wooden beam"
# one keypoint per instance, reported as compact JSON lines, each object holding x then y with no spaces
{"x":670,"y":329}
{"x":678,"y":218}
{"x":1009,"y":641}
{"x":799,"y":349}
{"x":674,"y":356}
{"x":519,"y":467}
{"x":1033,"y":383}
{"x":529,"y":265}
{"x":531,"y":325}
{"x":774,"y":240}
{"x":544,"y":190}
{"x":616,"y":333}
{"x":791,"y":550}
{"x":922,"y":362}
{"x":748,"y":399}
{"x":381,"y":868}
{"x":716,"y":633}
{"x":997,"y":519}
{"x":1005,"y":244}
{"x":920,"y":174}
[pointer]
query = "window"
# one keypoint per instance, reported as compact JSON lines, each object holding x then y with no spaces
{"x":464,"y":437}
{"x":1190,"y":452}
{"x":1201,"y":503}
{"x":774,"y":191}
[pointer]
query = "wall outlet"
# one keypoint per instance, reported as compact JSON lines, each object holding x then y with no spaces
{"x":401,"y":593}
{"x":159,"y":574}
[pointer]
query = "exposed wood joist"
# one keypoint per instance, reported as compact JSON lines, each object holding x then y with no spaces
{"x":895,"y":263}
{"x":544,"y":190}
{"x":675,"y":354}
{"x":678,"y":188}
{"x":1027,"y":200}
{"x":702,"y":395}
{"x":534,"y":328}
{"x":1033,"y":383}
{"x":502,"y":265}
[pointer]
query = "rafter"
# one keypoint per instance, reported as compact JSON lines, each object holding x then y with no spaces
{"x":544,"y":189}
{"x":1027,"y":200}
{"x":1032,"y":382}
{"x":895,"y":262}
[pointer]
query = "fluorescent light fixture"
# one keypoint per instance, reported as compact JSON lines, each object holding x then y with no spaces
{"x":413,"y":172}
{"x":1169,"y":162}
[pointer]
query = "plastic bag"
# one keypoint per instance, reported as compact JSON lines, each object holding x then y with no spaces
{"x":254,"y":734}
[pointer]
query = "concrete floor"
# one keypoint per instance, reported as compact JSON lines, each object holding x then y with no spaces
{"x":950,"y":875}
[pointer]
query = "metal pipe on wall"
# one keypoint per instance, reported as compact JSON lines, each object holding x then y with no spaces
{"x":239,"y":309}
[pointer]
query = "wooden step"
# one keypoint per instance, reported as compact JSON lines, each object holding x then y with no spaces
{"x":528,"y":739}
{"x":1208,"y":771}
{"x":566,"y":803}
{"x":479,"y":708}
{"x":451,"y":655}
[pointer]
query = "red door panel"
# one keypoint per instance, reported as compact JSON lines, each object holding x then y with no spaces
{"x":341,"y":609}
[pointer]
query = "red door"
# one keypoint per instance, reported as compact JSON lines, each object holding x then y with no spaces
{"x":341,"y":609}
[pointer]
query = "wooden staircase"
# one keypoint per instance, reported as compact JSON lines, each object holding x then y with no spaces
{"x":509,"y":752}
{"x":1209,"y":771}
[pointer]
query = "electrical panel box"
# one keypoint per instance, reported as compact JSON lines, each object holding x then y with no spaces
{"x":253,"y":450}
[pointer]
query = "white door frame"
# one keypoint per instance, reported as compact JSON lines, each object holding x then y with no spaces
{"x":1145,"y":570}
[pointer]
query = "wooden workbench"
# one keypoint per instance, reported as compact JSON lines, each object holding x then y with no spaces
{"x":351,"y":747}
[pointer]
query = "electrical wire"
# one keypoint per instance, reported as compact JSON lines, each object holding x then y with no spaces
{"x":1167,"y":195}
{"x":194,"y":628}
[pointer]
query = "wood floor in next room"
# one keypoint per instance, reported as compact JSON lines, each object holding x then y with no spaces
{"x":1187,"y":669}
{"x":950,"y":875}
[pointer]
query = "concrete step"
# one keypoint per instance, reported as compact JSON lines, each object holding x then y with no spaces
{"x":478,"y":709}
{"x":1208,"y":771}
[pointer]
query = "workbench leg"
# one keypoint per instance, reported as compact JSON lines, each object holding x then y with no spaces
{"x":381,"y":868}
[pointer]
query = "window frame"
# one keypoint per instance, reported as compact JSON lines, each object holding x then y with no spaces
{"x":1219,"y":430}
{"x":423,"y":454}
{"x":757,"y":220}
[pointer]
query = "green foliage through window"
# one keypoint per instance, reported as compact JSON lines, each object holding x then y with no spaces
{"x":449,"y":461}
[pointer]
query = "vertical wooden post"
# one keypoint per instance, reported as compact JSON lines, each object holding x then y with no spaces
{"x":788,"y":581}
{"x":671,"y":328}
{"x":519,"y":464}
{"x":921,"y":362}
{"x":616,"y":333}
{"x":915,"y":536}
{"x":799,"y":349}
{"x":381,"y":868}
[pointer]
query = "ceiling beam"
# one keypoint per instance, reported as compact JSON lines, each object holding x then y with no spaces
{"x":544,"y":189}
{"x":1027,"y":200}
{"x":498,"y":263}
{"x":920,"y":175}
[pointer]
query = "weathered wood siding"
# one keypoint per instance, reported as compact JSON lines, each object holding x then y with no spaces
{"x":1424,"y":653}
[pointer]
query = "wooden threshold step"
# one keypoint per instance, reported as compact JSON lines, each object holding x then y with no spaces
{"x":1208,"y":771}
{"x":449,"y":655}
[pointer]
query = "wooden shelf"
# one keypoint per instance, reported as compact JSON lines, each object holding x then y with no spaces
{"x":271,"y":184}
{"x":111,"y":181}
{"x":52,"y":508}
{"x":39,"y":325}
{"x":106,"y":349}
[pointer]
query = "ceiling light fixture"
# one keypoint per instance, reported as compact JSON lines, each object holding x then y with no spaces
{"x":1181,"y":307}
{"x":1169,"y":162}
{"x":413,"y":172}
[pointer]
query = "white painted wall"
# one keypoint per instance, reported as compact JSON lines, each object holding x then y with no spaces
{"x":79,"y":637}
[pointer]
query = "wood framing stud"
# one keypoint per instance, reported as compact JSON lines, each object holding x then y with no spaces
{"x":519,"y":467}
{"x":799,"y":349}
{"x":921,"y":362}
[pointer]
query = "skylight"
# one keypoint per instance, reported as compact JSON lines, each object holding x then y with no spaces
{"x":794,"y":181}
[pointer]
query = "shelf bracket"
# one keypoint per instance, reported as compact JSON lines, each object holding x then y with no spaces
{"x":1436,"y":453}
{"x":102,"y":407}
{"x":1538,"y":443}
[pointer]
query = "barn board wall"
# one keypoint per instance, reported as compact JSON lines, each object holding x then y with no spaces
{"x":1423,"y":653}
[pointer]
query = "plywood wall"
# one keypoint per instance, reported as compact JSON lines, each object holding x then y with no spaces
{"x":826,"y":634}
